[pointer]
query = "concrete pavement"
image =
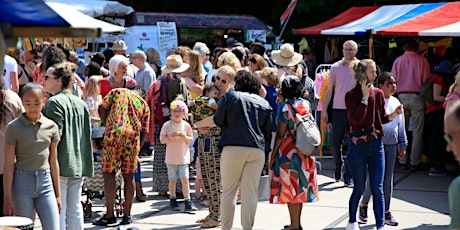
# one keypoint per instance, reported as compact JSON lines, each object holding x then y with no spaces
{"x":419,"y":202}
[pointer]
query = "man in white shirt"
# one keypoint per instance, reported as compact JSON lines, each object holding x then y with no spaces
{"x":10,"y":73}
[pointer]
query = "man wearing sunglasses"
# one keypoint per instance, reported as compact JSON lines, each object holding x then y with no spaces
{"x":452,"y":136}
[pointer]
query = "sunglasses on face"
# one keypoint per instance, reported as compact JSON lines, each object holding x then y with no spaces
{"x":220,"y":79}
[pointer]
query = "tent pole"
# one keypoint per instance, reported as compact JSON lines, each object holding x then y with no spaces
{"x":285,"y":23}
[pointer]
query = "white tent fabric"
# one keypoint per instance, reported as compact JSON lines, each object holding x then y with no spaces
{"x":375,"y":19}
{"x":97,"y":8}
{"x":80,"y":20}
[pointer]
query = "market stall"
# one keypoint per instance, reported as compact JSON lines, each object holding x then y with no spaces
{"x":426,"y":19}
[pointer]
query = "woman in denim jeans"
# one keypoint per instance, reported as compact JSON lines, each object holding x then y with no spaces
{"x":366,"y":114}
{"x":31,"y":176}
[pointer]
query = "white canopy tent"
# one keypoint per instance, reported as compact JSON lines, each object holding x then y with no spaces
{"x":80,"y":20}
{"x":97,"y":8}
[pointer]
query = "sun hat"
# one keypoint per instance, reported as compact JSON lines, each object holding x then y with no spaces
{"x":174,"y":64}
{"x":119,"y":45}
{"x":286,"y":56}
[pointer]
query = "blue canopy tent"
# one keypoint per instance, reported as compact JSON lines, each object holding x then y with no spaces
{"x":33,"y":18}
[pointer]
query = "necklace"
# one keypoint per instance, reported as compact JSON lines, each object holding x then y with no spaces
{"x":114,"y":84}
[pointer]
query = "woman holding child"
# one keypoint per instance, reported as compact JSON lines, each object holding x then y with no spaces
{"x":209,"y":155}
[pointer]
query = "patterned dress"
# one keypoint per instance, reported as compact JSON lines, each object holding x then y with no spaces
{"x":128,"y":117}
{"x":293,"y":179}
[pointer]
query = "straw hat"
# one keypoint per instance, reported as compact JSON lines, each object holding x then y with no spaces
{"x":119,"y":45}
{"x":174,"y":64}
{"x":286,"y":56}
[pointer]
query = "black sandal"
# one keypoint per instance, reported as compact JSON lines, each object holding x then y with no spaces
{"x":104,"y":221}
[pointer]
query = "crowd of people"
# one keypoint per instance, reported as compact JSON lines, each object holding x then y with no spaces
{"x":230,"y":114}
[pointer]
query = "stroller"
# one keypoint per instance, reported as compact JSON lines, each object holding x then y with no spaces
{"x":95,"y":187}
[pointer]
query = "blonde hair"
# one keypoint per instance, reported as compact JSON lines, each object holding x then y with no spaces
{"x":229,"y":71}
{"x":360,"y":68}
{"x":455,"y":84}
{"x":195,"y":71}
{"x":92,"y":87}
{"x":229,"y":58}
{"x":270,"y":74}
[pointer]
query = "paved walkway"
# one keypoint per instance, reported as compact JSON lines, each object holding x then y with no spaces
{"x":419,"y":202}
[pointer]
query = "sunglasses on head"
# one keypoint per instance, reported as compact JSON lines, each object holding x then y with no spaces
{"x":220,"y":79}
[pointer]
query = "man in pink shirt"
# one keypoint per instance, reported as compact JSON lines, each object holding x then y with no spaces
{"x":411,"y":69}
{"x":340,"y":81}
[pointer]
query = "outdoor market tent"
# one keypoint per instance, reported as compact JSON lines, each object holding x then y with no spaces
{"x":428,"y":19}
{"x":30,"y":18}
{"x":76,"y":18}
{"x":97,"y":8}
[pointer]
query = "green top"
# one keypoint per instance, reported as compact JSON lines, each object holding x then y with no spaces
{"x":454,"y":200}
{"x":32,"y":142}
{"x":75,"y":152}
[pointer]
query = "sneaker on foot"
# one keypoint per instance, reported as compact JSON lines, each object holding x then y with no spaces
{"x":352,"y":226}
{"x":189,"y":206}
{"x":104,"y":221}
{"x":348,"y":182}
{"x":437,"y":172}
{"x":173,"y":205}
{"x":390,"y":220}
{"x":126,"y":220}
{"x":363,"y":213}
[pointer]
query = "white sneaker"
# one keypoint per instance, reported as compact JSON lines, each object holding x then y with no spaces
{"x":381,"y":228}
{"x":352,"y":226}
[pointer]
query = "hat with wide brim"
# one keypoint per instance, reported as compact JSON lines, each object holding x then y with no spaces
{"x":119,"y":45}
{"x":286,"y":56}
{"x":174,"y":64}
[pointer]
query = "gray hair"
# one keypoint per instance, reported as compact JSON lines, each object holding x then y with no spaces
{"x":141,"y":54}
{"x":115,"y":62}
{"x":351,"y":42}
{"x":201,"y":47}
